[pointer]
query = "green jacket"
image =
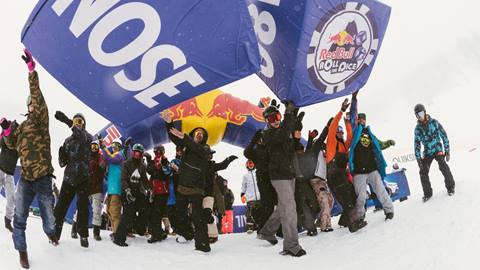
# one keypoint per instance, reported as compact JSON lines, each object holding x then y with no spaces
{"x":31,"y":138}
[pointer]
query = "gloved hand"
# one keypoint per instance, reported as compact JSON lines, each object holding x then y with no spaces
{"x":354,"y":94}
{"x":298,"y":123}
{"x":420,"y":164}
{"x":447,"y":156}
{"x":28,"y":60}
{"x":257,"y":136}
{"x":164,"y":161}
{"x":231,"y":158}
{"x":391,"y":142}
{"x":148,"y":157}
{"x":290,"y":108}
{"x":244,"y":199}
{"x":313,"y":133}
{"x":127,"y":143}
{"x":60,"y":116}
{"x":128,"y":194}
{"x":345,"y":105}
{"x":274,"y":103}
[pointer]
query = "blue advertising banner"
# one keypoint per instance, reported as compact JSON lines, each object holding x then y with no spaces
{"x":130,"y":59}
{"x":317,"y":50}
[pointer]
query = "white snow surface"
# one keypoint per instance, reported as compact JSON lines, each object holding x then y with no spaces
{"x":443,"y":233}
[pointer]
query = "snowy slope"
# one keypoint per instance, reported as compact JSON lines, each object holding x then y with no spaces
{"x":441,"y":234}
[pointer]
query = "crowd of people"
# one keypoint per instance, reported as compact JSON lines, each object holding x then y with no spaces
{"x":287,"y":187}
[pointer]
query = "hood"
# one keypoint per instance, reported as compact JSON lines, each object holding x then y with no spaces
{"x":205,"y":138}
{"x":79,"y":115}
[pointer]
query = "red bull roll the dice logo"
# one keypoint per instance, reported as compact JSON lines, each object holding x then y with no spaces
{"x":342,"y":46}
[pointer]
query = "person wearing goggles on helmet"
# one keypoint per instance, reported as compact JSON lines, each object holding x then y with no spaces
{"x":280,"y":149}
{"x":136,"y":188}
{"x":114,"y":160}
{"x":74,"y":155}
{"x":436,"y":146}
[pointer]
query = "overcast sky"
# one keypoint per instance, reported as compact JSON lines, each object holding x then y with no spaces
{"x":430,"y":55}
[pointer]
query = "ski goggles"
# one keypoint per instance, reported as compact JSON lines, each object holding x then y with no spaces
{"x":274,"y":117}
{"x":116,"y":145}
{"x":78,"y":121}
{"x":94,"y":147}
{"x":420,"y":114}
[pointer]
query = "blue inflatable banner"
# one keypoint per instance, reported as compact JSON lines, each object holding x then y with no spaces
{"x":317,"y":50}
{"x":130,"y":59}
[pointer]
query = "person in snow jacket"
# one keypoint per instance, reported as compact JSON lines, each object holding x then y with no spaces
{"x":74,"y":155}
{"x":256,"y":151}
{"x":211,"y":190}
{"x":430,"y":133}
{"x":31,"y":140}
{"x":160,"y":172}
{"x":337,"y":161}
{"x":8,"y":164}
{"x":135,"y":187}
{"x":280,"y":149}
{"x":172,"y":201}
{"x":114,"y":160}
{"x":250,"y":195}
{"x":96,"y":172}
{"x":192,"y":183}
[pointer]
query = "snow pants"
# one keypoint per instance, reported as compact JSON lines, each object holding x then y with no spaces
{"x":97,"y":206}
{"x":114,"y":211}
{"x":344,"y":192}
{"x":285,"y":214}
{"x":172,"y":213}
{"x":325,"y":201}
{"x":129,"y":213}
{"x":184,"y":227}
{"x":159,"y":210}
{"x":6,"y":181}
{"x":212,"y":227}
{"x":252,"y":207}
{"x":268,"y":198}
{"x":26,"y":192}
{"x":67,"y":193}
{"x":444,"y":168}
{"x":360,"y":182}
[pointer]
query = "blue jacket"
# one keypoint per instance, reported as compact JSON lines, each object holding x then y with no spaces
{"x":430,"y":134}
{"x":114,"y":174}
{"x":377,"y":150}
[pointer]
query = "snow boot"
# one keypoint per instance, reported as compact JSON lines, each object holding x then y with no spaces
{"x":426,"y":198}
{"x":357,"y":225}
{"x":8,"y":224}
{"x":205,"y":247}
{"x":154,"y":239}
{"x":182,"y":240}
{"x":74,"y":232}
{"x":84,"y":242}
{"x":300,"y":253}
{"x":212,"y":240}
{"x":53,"y":240}
{"x":120,"y":244}
{"x":450,"y":192}
{"x":327,"y":230}
{"x":96,"y":233}
{"x":388,"y":216}
{"x":112,"y":236}
{"x":312,"y":232}
{"x":24,"y":259}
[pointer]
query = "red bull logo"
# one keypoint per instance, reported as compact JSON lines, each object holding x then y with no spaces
{"x":185,"y":109}
{"x":234,"y":110}
{"x":341,"y":39}
{"x":112,"y":134}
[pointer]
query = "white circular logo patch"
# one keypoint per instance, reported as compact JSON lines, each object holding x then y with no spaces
{"x":342,"y":46}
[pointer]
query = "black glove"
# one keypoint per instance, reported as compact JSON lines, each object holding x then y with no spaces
{"x":128,"y":195}
{"x":391,"y":143}
{"x":354,"y":94}
{"x":312,"y":133}
{"x":345,"y":105}
{"x":290,"y":108}
{"x":164,"y":161}
{"x":420,"y":164}
{"x":127,"y":143}
{"x":298,"y":123}
{"x":231,"y":158}
{"x":274,"y":103}
{"x":60,"y":116}
{"x":148,"y":157}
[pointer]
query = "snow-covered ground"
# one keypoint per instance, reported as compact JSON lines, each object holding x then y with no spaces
{"x":443,"y":233}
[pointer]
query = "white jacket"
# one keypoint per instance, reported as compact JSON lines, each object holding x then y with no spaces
{"x":250,"y":187}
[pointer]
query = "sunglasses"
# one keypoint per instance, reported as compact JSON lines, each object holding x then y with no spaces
{"x":274,"y":117}
{"x":94,"y":147}
{"x":78,"y":121}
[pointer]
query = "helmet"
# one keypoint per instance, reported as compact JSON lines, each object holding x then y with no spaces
{"x":270,"y":110}
{"x":95,"y":142}
{"x":159,"y":148}
{"x":419,"y":108}
{"x":138,"y":147}
{"x":117,"y":140}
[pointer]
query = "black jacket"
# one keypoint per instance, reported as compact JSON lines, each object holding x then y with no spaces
{"x":137,"y":182}
{"x":8,"y":159}
{"x":211,"y":174}
{"x":281,"y":149}
{"x":229,"y":199}
{"x":75,"y":155}
{"x":194,"y":165}
{"x":257,"y":152}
